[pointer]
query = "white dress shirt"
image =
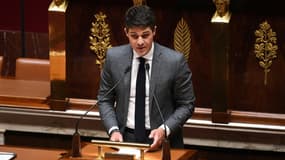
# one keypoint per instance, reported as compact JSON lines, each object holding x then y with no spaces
{"x":132,"y":99}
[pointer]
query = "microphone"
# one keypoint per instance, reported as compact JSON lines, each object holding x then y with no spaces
{"x":76,"y":143}
{"x":165,"y":143}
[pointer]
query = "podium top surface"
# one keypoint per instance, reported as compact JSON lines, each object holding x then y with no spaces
{"x":89,"y":151}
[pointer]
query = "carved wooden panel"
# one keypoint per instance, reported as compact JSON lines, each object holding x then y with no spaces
{"x":246,"y":89}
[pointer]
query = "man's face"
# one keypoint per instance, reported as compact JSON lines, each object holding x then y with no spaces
{"x":140,"y":39}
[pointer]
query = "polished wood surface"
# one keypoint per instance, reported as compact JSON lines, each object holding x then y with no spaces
{"x":89,"y":151}
{"x":24,"y":93}
{"x":57,"y":56}
{"x":26,"y":153}
{"x":24,"y":88}
{"x":35,"y":69}
{"x":220,"y":64}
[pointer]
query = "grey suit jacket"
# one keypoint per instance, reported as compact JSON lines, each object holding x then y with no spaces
{"x":170,"y":82}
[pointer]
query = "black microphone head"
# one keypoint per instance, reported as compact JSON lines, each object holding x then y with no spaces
{"x":147,"y":66}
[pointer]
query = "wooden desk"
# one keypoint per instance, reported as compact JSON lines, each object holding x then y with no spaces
{"x":25,"y":153}
{"x":89,"y":151}
{"x":24,"y":93}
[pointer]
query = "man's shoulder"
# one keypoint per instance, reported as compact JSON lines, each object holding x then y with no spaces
{"x":166,"y":51}
{"x":118,"y":51}
{"x":120,"y":48}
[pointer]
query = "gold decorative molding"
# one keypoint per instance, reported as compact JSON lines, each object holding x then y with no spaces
{"x":57,"y":46}
{"x":182,"y":38}
{"x":58,"y":5}
{"x":100,"y":38}
{"x":265,"y":47}
{"x":139,"y":2}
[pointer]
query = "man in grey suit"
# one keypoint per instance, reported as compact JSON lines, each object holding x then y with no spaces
{"x":168,"y":85}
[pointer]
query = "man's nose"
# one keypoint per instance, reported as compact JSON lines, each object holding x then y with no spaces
{"x":140,"y":41}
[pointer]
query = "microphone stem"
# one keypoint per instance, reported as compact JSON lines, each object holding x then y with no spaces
{"x":165,"y":144}
{"x":81,"y":117}
{"x":163,"y":121}
{"x":76,"y":143}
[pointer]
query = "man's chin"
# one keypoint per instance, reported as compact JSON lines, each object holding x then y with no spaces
{"x":141,"y":52}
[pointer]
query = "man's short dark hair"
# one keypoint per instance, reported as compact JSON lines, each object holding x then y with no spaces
{"x":139,"y":16}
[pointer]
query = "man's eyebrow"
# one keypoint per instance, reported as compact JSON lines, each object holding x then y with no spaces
{"x":145,"y":32}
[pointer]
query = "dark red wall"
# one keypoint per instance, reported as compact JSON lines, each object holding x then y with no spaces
{"x":35,"y":15}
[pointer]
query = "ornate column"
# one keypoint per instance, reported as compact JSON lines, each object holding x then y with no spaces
{"x":57,"y":53}
{"x":220,"y":61}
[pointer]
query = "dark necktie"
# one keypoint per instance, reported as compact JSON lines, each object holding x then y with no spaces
{"x":140,"y":103}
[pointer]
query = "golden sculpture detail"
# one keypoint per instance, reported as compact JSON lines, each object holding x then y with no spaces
{"x":58,"y":5}
{"x":222,"y":13}
{"x":265,"y":47}
{"x":139,"y":2}
{"x":100,"y":38}
{"x":58,"y":2}
{"x":182,"y":38}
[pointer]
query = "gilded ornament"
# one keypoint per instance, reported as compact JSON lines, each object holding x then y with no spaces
{"x":265,"y":47}
{"x":182,"y":38}
{"x":222,"y":14}
{"x":139,"y":2}
{"x":58,"y":5}
{"x":100,"y":38}
{"x":58,"y":2}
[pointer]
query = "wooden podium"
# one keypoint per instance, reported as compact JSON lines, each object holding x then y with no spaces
{"x":89,"y":152}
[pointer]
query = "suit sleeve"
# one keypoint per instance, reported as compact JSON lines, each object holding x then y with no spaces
{"x":106,"y":102}
{"x":184,"y":97}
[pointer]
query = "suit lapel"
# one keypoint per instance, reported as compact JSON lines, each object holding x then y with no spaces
{"x":127,"y":62}
{"x":155,"y":75}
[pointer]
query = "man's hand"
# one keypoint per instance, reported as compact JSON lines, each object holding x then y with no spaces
{"x":116,"y":136}
{"x":158,"y":136}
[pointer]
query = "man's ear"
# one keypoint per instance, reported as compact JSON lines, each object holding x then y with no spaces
{"x":126,"y":31}
{"x":154,"y":30}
